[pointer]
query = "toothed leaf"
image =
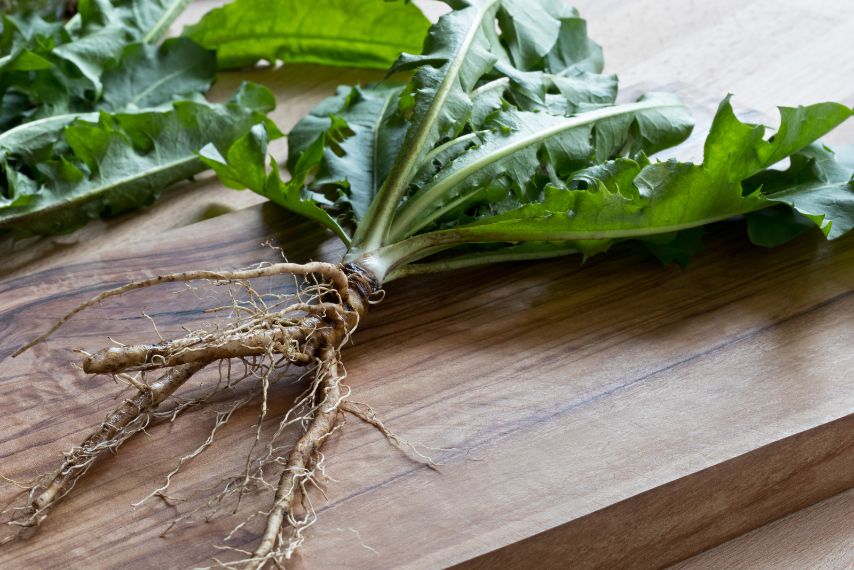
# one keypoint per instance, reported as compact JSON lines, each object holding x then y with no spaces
{"x":107,"y":163}
{"x":671,"y":196}
{"x":524,"y":142}
{"x":359,"y":138}
{"x":150,"y":76}
{"x":243,"y":166}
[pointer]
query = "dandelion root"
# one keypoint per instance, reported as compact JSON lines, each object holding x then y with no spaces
{"x":266,"y":333}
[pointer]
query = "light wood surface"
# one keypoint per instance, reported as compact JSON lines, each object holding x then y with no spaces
{"x":616,"y":415}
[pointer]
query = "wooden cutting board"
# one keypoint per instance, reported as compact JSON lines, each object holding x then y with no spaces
{"x":613,"y":415}
{"x":820,"y":536}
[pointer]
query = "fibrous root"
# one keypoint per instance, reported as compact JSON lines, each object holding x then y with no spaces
{"x":266,"y":333}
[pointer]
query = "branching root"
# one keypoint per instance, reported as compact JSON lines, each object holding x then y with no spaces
{"x":265,"y":334}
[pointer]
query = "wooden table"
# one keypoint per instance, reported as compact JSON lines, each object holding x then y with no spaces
{"x":820,"y":536}
{"x":620,"y":414}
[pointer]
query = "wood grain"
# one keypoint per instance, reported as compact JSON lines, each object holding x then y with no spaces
{"x":820,"y":536}
{"x":675,"y":520}
{"x":615,"y":397}
{"x":542,"y":396}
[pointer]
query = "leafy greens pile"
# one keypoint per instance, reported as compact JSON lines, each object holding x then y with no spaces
{"x":96,"y":118}
{"x":508,"y":143}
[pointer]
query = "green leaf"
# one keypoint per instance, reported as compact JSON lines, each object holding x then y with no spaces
{"x":47,"y":68}
{"x":243,"y":166}
{"x":150,"y":76}
{"x":350,"y":33}
{"x":483,"y":48}
{"x":470,"y":256}
{"x":26,"y":140}
{"x":777,"y":225}
{"x":113,"y":162}
{"x":99,"y":40}
{"x":574,"y":50}
{"x":829,"y":204}
{"x":524,"y":140}
{"x":62,"y":162}
{"x":579,"y":88}
{"x":28,"y":61}
{"x":817,"y":184}
{"x":359,"y":142}
{"x":679,"y":247}
{"x":508,"y":134}
{"x":625,"y":198}
{"x":736,"y":150}
{"x":152,"y":18}
{"x":531,"y":29}
{"x":456,"y":55}
{"x":256,"y":97}
{"x":383,"y":143}
{"x":460,"y":49}
{"x":539,"y":44}
{"x":55,"y":9}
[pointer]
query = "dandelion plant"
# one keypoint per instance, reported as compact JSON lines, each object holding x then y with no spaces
{"x":502,"y":140}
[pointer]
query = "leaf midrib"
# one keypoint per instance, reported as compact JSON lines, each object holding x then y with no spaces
{"x":38,"y":210}
{"x":45,"y":120}
{"x":375,"y":166}
{"x":406,"y":250}
{"x":442,"y":94}
{"x":403,"y":172}
{"x":234,"y":39}
{"x":158,"y":83}
{"x":403,"y":225}
{"x":168,"y":16}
